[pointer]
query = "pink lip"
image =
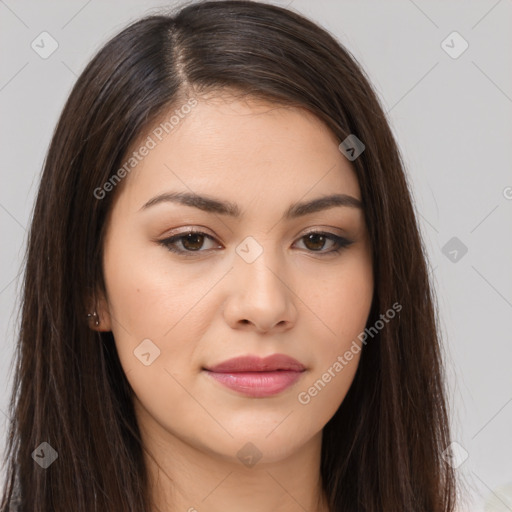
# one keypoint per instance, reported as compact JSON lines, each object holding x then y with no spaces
{"x":257,"y":377}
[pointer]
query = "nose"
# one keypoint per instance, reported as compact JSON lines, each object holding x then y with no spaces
{"x":261,"y":297}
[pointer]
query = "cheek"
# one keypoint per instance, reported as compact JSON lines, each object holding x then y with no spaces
{"x":336,"y":362}
{"x":343,"y":304}
{"x":149,"y":296}
{"x":342,"y":301}
{"x":148,"y":301}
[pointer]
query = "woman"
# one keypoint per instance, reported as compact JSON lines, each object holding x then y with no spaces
{"x":226,"y":299}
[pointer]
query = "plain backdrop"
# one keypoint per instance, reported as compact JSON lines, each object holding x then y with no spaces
{"x":450,"y":109}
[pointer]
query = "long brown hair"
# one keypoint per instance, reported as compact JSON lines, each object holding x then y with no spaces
{"x":382,"y":450}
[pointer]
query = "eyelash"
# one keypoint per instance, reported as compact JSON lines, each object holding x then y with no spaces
{"x":340,"y":242}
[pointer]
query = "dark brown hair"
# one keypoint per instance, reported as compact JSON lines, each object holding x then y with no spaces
{"x":381,"y":451}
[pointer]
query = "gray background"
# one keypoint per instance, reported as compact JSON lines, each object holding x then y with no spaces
{"x":452,"y":119}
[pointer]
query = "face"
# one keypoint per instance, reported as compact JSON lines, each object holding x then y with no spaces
{"x":260,"y":274}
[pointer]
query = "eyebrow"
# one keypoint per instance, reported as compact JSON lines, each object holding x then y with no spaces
{"x":213,"y":205}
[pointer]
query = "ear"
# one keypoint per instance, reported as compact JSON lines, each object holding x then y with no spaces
{"x":100,"y":322}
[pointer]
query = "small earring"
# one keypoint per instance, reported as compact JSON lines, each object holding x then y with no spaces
{"x":95,"y":316}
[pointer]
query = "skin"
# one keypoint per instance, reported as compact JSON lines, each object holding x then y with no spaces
{"x":296,"y":298}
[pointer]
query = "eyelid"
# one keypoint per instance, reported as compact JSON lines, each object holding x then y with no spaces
{"x":184,"y":230}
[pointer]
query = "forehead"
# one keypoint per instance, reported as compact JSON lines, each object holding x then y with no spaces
{"x":243,"y":148}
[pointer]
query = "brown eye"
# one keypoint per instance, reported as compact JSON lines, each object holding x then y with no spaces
{"x":193,"y":242}
{"x":190,"y":241}
{"x":316,"y":241}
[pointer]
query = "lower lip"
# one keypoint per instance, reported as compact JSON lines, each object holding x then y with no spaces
{"x":257,"y":384}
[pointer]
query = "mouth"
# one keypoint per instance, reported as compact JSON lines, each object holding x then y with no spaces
{"x":257,"y":377}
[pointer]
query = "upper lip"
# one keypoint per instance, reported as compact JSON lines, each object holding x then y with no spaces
{"x":258,"y":364}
